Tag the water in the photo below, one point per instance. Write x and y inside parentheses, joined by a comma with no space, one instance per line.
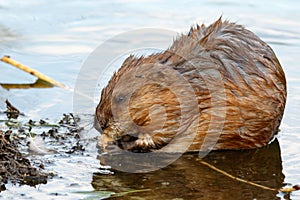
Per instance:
(55,37)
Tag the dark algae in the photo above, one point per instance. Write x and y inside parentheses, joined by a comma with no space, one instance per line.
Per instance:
(16,167)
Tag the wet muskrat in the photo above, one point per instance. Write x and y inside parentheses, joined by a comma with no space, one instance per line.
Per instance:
(218,87)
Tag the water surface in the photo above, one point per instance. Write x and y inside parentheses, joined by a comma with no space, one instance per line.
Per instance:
(55,37)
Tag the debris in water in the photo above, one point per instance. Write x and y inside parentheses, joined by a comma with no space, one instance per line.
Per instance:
(11,112)
(19,139)
(14,166)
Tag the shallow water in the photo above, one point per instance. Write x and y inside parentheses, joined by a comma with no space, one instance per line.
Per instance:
(56,37)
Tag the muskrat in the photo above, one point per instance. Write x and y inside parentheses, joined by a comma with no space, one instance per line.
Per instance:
(218,87)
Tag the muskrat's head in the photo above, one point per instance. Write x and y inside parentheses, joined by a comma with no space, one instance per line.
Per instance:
(138,110)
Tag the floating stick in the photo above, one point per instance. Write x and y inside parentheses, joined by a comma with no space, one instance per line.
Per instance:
(33,72)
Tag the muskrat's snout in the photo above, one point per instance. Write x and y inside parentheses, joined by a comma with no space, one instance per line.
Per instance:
(105,143)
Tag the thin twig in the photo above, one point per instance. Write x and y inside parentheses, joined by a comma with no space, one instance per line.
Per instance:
(120,194)
(236,178)
(284,189)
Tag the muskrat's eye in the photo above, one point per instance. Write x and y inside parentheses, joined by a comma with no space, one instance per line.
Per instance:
(120,98)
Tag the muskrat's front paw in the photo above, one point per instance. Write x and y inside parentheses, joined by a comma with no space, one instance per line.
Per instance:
(108,147)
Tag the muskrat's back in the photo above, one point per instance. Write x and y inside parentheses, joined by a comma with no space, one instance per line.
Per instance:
(220,84)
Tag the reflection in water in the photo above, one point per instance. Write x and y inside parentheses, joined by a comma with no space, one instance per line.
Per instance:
(187,178)
(37,84)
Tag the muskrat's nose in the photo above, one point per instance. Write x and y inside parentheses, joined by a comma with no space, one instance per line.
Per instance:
(97,125)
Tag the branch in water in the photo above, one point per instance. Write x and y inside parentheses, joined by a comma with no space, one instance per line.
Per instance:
(284,189)
(33,72)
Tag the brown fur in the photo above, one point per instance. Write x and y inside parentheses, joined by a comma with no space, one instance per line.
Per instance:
(253,82)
